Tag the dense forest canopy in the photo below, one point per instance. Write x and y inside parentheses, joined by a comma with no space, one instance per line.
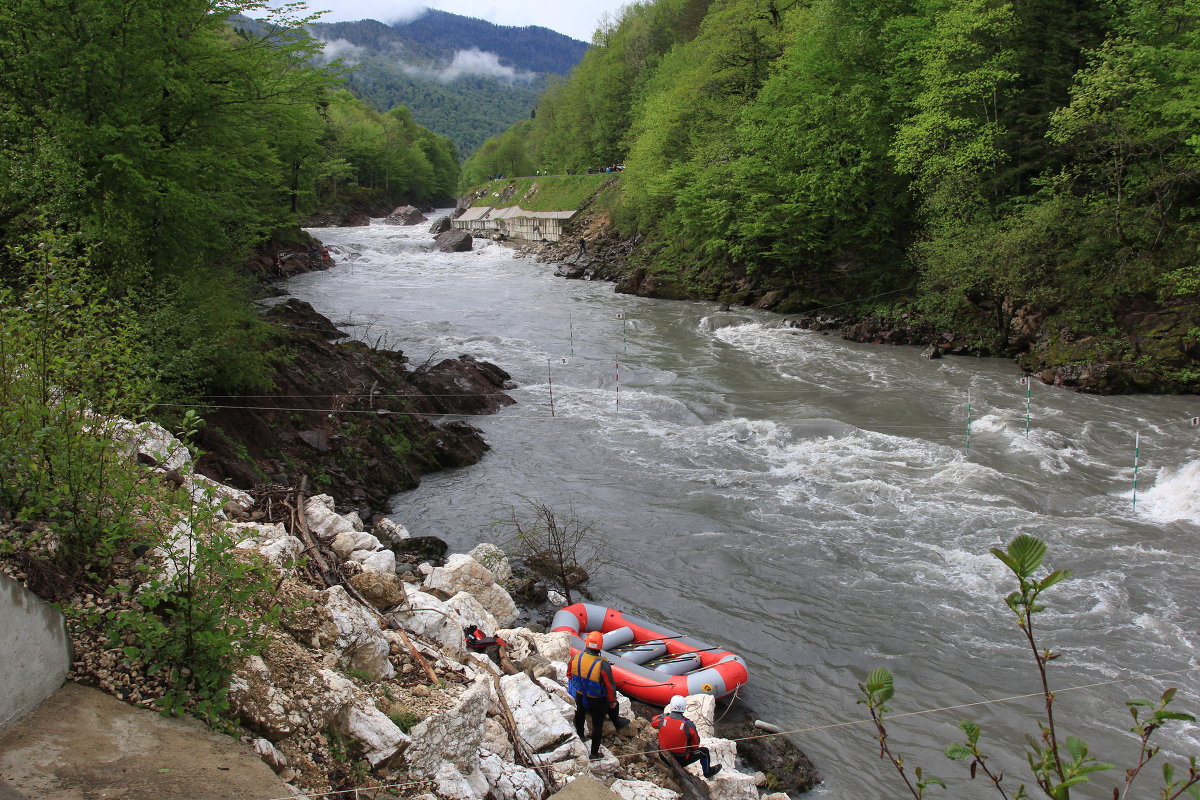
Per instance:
(156,146)
(1011,169)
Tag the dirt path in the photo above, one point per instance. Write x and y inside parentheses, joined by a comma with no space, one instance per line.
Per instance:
(82,744)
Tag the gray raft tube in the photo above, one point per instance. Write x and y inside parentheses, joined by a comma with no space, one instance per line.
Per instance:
(644,660)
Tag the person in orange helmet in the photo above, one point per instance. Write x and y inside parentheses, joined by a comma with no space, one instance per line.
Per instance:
(590,682)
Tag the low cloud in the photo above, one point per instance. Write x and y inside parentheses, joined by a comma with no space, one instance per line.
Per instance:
(472,62)
(348,52)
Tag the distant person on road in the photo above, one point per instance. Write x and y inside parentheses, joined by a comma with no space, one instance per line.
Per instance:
(678,736)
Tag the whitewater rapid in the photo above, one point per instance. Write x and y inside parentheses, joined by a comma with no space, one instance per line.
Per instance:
(813,503)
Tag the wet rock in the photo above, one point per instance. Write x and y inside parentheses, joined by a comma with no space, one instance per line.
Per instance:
(297,315)
(405,215)
(456,241)
(440,225)
(465,385)
(421,548)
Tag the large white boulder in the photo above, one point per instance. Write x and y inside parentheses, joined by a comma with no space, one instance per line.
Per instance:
(347,542)
(509,781)
(451,736)
(492,557)
(272,542)
(729,784)
(702,709)
(323,521)
(153,440)
(289,693)
(353,634)
(452,784)
(560,698)
(389,532)
(522,642)
(539,718)
(379,561)
(642,790)
(470,612)
(206,492)
(464,574)
(427,616)
(379,736)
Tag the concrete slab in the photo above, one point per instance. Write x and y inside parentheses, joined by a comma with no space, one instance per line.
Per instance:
(82,744)
(585,787)
(36,653)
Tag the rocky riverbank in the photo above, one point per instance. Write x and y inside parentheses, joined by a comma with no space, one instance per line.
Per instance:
(366,680)
(1152,347)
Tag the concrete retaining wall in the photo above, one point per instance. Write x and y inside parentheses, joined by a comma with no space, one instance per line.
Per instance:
(35,653)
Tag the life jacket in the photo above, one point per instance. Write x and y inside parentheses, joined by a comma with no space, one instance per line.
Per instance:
(677,735)
(587,676)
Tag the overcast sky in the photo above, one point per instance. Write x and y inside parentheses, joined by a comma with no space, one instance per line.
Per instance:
(575,18)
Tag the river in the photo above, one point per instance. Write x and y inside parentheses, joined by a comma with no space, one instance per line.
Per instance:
(812,503)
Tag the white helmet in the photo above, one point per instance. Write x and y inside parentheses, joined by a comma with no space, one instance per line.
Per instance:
(677,705)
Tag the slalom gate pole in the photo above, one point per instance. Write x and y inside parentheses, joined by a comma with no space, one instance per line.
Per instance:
(968,419)
(550,383)
(617,366)
(571,322)
(1137,441)
(1028,379)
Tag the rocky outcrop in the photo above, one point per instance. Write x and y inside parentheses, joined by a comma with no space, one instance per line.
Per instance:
(405,215)
(440,225)
(454,242)
(388,441)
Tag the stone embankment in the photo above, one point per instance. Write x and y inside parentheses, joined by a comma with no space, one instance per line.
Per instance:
(367,680)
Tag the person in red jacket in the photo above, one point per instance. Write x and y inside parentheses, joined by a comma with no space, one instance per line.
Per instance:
(590,682)
(678,736)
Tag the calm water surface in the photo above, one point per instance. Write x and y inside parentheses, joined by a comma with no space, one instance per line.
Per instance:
(812,503)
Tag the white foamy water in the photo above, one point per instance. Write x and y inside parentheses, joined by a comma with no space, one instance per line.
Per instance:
(812,503)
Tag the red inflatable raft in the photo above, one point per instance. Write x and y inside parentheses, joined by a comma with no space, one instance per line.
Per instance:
(650,662)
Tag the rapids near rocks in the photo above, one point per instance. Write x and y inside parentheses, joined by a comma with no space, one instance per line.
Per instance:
(812,503)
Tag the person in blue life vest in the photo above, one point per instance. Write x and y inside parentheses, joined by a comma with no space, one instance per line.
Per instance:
(678,736)
(590,682)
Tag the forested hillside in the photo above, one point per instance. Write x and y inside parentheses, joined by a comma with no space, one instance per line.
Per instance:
(1023,174)
(139,176)
(465,78)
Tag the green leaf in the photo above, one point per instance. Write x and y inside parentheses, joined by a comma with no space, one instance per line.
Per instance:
(957,752)
(1168,772)
(1053,578)
(1179,715)
(971,729)
(1027,553)
(879,684)
(1077,748)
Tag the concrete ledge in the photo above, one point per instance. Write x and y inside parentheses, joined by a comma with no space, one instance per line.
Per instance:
(36,654)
